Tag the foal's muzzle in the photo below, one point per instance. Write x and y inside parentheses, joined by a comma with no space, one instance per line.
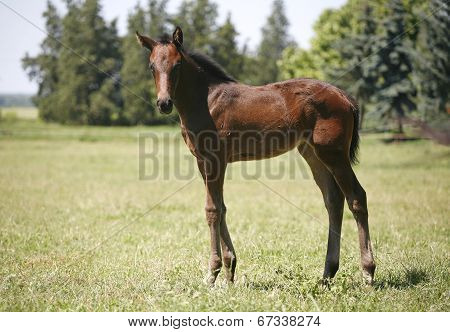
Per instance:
(165,105)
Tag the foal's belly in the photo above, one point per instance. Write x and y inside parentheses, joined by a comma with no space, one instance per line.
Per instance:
(244,156)
(257,145)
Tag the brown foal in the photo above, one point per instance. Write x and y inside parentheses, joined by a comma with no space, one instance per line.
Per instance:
(223,121)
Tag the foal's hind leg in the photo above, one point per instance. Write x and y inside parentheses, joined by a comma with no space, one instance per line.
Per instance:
(339,165)
(334,202)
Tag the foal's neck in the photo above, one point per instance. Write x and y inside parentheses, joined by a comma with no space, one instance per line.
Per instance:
(191,97)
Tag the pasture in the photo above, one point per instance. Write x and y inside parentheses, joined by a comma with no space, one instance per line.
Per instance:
(79,230)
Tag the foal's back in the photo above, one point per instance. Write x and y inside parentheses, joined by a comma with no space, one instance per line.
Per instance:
(298,104)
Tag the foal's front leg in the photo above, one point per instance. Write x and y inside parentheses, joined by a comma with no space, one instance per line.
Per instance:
(228,253)
(214,202)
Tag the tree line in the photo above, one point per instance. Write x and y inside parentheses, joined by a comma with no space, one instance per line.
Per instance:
(88,74)
(392,55)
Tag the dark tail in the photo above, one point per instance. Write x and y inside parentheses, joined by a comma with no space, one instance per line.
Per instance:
(354,145)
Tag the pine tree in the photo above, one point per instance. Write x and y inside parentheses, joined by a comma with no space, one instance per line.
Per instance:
(197,18)
(105,107)
(225,49)
(393,63)
(274,41)
(183,19)
(204,16)
(135,76)
(72,97)
(109,95)
(44,67)
(250,67)
(157,12)
(433,60)
(357,74)
(103,44)
(91,58)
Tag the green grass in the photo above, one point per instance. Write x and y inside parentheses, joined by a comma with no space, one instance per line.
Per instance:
(67,192)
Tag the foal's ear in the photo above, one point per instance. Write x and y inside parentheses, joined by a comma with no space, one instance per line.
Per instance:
(145,41)
(177,37)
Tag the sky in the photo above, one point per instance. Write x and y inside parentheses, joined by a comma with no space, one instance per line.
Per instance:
(18,35)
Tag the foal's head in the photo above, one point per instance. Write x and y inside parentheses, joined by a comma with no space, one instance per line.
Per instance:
(165,62)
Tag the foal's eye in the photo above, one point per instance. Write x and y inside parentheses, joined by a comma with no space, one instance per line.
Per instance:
(151,66)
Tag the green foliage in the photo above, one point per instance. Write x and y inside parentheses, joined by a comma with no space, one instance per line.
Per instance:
(331,27)
(274,40)
(225,50)
(157,18)
(357,74)
(44,67)
(104,109)
(432,60)
(393,63)
(297,62)
(198,20)
(90,58)
(137,92)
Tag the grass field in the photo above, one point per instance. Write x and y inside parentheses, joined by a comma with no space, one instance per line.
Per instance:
(14,113)
(80,231)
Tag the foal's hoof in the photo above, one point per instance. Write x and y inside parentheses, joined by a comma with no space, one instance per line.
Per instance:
(229,276)
(211,278)
(368,278)
(325,282)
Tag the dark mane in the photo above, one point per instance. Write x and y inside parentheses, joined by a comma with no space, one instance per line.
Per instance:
(207,64)
(165,39)
(211,67)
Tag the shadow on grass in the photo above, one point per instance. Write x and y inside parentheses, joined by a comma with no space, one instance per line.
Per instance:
(403,279)
(260,286)
(407,279)
(282,278)
(295,286)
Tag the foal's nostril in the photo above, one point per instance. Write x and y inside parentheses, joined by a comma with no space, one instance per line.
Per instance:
(165,106)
